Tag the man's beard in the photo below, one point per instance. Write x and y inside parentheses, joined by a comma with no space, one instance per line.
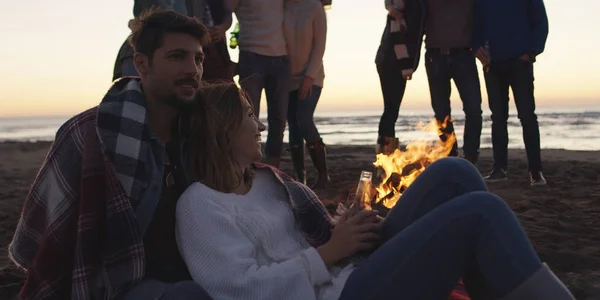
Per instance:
(179,104)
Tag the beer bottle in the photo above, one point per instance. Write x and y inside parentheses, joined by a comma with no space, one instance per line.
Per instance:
(233,41)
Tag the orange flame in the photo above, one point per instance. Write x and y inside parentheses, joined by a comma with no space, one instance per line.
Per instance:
(401,168)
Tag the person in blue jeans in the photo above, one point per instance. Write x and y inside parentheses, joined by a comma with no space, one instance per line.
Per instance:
(305,27)
(449,31)
(509,50)
(263,64)
(247,231)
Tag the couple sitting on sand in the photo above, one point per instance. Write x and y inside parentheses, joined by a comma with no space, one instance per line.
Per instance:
(157,193)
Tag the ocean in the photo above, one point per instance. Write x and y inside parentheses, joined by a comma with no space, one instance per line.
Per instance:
(560,128)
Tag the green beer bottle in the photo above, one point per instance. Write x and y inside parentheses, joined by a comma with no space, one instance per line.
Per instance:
(233,41)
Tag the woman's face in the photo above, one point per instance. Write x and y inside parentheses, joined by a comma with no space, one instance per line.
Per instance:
(247,148)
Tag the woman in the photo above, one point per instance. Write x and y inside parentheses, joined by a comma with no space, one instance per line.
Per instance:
(305,29)
(397,59)
(246,231)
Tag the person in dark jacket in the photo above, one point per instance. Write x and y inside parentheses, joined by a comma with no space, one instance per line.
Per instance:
(510,35)
(397,59)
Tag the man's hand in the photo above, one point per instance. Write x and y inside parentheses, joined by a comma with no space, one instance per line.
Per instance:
(305,88)
(351,235)
(394,12)
(483,55)
(217,34)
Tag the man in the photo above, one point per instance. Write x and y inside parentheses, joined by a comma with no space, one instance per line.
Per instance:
(263,64)
(99,220)
(509,50)
(397,59)
(217,17)
(449,31)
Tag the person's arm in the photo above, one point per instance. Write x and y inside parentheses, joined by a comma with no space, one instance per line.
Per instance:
(539,27)
(49,201)
(477,40)
(319,41)
(223,261)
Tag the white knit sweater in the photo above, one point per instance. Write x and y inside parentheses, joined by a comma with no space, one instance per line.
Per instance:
(249,247)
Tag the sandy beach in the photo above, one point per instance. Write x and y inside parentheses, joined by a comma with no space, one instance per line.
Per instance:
(562,218)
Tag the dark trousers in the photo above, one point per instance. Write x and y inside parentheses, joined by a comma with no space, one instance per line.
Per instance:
(518,75)
(271,73)
(459,66)
(300,118)
(445,227)
(393,86)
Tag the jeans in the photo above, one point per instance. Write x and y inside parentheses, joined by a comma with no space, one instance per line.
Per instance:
(300,118)
(393,85)
(273,74)
(154,289)
(460,66)
(446,226)
(518,75)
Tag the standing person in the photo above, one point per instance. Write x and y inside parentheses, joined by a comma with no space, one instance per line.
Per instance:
(99,221)
(263,64)
(397,59)
(509,51)
(305,27)
(449,28)
(217,17)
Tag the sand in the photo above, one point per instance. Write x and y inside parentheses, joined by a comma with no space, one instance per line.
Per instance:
(562,218)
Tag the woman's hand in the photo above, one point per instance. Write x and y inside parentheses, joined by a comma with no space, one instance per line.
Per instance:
(305,88)
(351,235)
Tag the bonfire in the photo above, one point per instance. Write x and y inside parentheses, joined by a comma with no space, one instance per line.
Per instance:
(398,170)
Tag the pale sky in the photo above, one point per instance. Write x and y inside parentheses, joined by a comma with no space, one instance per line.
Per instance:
(58,57)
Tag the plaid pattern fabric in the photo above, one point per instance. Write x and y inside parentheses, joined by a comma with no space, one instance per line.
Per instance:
(78,237)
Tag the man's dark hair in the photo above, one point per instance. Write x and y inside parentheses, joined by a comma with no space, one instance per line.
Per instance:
(149,28)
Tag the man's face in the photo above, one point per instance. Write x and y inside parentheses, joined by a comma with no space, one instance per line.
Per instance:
(173,75)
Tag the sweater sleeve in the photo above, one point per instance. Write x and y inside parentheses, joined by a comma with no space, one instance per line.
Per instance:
(319,41)
(222,260)
(539,26)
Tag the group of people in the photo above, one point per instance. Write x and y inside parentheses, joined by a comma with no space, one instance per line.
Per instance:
(157,193)
(506,36)
(281,52)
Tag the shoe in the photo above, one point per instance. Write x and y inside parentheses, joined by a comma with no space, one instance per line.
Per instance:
(537,178)
(496,175)
(318,154)
(542,285)
(386,145)
(472,159)
(297,155)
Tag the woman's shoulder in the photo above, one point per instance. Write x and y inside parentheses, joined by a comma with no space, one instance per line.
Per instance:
(197,194)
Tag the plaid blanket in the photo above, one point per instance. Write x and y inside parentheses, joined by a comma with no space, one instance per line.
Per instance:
(78,237)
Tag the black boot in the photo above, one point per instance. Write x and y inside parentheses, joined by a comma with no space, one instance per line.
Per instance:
(297,154)
(318,154)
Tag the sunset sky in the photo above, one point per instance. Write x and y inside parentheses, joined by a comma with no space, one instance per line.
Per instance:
(58,57)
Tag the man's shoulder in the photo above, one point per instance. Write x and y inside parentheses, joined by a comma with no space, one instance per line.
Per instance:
(79,123)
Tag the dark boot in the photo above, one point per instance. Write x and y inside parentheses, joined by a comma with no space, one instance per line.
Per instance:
(386,145)
(297,154)
(318,154)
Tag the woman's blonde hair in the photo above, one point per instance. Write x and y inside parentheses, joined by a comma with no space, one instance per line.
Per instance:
(213,125)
